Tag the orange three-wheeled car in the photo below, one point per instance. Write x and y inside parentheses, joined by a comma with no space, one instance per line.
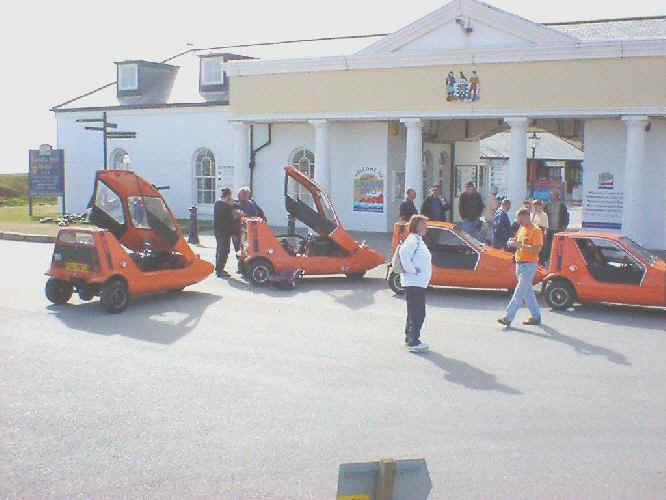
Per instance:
(331,251)
(603,267)
(137,248)
(460,260)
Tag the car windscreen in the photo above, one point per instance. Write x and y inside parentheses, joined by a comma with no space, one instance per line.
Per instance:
(150,212)
(301,203)
(638,250)
(109,202)
(458,230)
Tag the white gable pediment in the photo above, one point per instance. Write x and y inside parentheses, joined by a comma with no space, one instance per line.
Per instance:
(466,24)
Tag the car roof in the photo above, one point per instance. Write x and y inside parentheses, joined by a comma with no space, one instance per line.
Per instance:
(593,234)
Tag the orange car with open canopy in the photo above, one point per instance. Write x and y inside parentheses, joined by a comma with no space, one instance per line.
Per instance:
(329,250)
(137,248)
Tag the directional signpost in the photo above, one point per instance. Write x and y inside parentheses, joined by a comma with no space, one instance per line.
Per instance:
(106,134)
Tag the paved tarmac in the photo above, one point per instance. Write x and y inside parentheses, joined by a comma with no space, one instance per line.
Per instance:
(227,391)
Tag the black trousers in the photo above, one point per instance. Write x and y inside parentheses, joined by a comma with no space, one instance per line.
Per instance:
(222,252)
(416,313)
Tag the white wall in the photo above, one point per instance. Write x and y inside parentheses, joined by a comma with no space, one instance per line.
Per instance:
(605,149)
(351,145)
(162,152)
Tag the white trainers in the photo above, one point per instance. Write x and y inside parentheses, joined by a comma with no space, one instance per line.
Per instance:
(420,347)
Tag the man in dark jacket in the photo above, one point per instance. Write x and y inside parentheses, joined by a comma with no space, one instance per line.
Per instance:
(434,207)
(471,207)
(407,207)
(247,207)
(224,226)
(502,225)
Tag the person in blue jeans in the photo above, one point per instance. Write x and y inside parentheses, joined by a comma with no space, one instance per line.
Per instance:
(528,243)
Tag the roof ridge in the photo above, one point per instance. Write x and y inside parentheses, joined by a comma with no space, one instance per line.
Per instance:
(607,20)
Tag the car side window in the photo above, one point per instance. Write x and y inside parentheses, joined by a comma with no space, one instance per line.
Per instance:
(109,202)
(449,250)
(609,263)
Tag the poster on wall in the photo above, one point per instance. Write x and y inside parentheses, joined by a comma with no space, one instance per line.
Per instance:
(602,205)
(368,190)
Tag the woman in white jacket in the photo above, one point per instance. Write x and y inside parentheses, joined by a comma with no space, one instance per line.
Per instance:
(416,261)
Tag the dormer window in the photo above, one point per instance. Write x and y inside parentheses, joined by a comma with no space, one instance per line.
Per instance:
(211,71)
(128,77)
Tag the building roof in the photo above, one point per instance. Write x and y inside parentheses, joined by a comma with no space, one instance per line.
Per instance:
(635,28)
(548,147)
(185,91)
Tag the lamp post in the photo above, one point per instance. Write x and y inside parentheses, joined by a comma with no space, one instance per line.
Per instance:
(534,139)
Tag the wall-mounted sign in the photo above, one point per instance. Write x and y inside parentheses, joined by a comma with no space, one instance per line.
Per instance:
(602,209)
(368,190)
(605,180)
(46,172)
(462,87)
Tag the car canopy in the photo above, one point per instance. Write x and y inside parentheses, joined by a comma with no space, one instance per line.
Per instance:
(134,211)
(309,203)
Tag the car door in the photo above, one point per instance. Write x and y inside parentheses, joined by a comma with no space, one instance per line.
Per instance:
(613,274)
(454,261)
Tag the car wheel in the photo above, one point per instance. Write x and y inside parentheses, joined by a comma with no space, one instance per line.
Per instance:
(259,272)
(560,294)
(86,294)
(355,276)
(115,296)
(58,291)
(394,283)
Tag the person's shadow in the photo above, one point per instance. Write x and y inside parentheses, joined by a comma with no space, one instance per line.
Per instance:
(580,346)
(462,373)
(160,318)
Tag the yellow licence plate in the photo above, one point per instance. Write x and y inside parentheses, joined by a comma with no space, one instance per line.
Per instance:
(76,266)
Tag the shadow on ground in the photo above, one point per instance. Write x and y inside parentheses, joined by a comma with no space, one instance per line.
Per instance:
(650,318)
(161,318)
(462,373)
(580,346)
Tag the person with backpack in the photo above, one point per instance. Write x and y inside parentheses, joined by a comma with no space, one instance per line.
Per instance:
(415,273)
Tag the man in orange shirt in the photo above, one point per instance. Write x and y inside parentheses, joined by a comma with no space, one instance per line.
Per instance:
(528,243)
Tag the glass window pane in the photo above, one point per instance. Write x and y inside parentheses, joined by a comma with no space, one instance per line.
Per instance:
(109,202)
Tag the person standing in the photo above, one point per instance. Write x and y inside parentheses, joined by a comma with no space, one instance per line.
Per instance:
(416,262)
(540,220)
(434,207)
(223,226)
(502,225)
(528,243)
(246,207)
(492,203)
(407,207)
(470,207)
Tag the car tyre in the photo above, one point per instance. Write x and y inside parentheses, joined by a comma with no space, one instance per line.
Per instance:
(355,276)
(560,295)
(58,291)
(115,296)
(394,283)
(259,272)
(86,294)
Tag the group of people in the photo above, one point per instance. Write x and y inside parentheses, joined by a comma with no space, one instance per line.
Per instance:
(227,215)
(528,237)
(435,207)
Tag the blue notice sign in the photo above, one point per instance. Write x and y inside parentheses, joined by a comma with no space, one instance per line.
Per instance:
(46,172)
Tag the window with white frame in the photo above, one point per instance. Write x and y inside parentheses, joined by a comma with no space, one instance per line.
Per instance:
(128,77)
(303,159)
(120,160)
(204,173)
(211,71)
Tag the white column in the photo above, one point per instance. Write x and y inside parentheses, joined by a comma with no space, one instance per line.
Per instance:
(414,157)
(241,156)
(634,160)
(322,169)
(516,176)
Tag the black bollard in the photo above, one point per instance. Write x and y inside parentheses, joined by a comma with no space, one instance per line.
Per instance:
(194,230)
(291,225)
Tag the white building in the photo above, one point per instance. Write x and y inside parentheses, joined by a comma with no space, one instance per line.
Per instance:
(362,122)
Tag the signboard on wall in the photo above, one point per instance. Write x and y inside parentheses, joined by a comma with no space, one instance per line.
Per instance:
(368,190)
(602,205)
(46,172)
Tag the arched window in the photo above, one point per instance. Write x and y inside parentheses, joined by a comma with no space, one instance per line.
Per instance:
(304,160)
(204,173)
(120,160)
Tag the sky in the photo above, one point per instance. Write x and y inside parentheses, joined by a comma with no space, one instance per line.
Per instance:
(54,51)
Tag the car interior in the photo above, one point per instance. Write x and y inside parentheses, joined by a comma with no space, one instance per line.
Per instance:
(610,263)
(449,250)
